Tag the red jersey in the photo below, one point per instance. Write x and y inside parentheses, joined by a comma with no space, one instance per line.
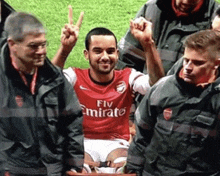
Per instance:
(105,108)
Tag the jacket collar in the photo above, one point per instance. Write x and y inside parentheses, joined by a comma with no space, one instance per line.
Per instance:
(197,90)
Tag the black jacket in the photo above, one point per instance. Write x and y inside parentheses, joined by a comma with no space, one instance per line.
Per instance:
(178,130)
(169,33)
(41,131)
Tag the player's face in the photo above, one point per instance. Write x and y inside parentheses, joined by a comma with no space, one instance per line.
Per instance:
(198,67)
(31,52)
(186,6)
(102,54)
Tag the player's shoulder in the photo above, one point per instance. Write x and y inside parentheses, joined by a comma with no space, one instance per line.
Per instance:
(151,2)
(80,70)
(124,71)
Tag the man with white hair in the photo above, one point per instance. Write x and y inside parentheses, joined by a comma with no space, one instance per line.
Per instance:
(40,116)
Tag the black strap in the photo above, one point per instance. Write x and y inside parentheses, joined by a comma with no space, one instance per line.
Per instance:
(105,164)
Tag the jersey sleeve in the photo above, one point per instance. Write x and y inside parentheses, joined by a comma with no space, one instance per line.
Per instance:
(139,82)
(70,75)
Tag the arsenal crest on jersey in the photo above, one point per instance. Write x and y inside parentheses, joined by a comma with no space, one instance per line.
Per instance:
(19,100)
(167,113)
(121,87)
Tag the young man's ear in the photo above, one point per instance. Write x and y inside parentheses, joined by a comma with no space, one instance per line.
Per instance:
(86,54)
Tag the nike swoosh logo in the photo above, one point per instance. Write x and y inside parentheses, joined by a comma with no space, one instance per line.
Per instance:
(82,88)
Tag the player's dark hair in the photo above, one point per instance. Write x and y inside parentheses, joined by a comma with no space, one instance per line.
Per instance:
(98,31)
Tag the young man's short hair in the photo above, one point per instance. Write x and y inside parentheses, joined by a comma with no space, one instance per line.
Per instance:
(205,40)
(98,31)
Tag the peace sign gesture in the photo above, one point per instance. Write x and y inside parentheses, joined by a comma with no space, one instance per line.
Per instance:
(70,32)
(70,17)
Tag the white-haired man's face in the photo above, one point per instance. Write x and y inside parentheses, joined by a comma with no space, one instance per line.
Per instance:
(29,53)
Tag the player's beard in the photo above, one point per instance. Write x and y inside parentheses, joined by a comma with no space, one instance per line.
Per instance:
(101,68)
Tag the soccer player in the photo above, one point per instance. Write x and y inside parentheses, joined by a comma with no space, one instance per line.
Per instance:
(106,94)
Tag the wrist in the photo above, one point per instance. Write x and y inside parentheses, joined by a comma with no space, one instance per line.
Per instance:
(65,51)
(148,44)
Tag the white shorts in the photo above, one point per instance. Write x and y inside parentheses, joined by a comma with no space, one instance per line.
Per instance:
(99,149)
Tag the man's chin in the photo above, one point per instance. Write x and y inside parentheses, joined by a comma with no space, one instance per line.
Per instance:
(39,64)
(104,72)
(189,81)
(184,10)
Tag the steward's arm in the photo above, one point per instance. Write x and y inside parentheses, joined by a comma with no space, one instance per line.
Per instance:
(72,125)
(145,122)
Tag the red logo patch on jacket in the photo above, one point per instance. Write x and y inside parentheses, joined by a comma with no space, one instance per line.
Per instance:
(167,113)
(7,174)
(19,100)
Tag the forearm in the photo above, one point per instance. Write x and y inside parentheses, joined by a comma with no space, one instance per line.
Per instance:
(71,124)
(60,58)
(153,63)
(136,159)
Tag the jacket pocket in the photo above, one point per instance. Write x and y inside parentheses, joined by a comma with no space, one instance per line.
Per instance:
(202,128)
(52,109)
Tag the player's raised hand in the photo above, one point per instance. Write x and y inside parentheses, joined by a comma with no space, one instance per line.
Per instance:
(141,29)
(70,32)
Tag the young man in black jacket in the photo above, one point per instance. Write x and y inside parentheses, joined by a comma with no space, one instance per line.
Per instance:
(178,126)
